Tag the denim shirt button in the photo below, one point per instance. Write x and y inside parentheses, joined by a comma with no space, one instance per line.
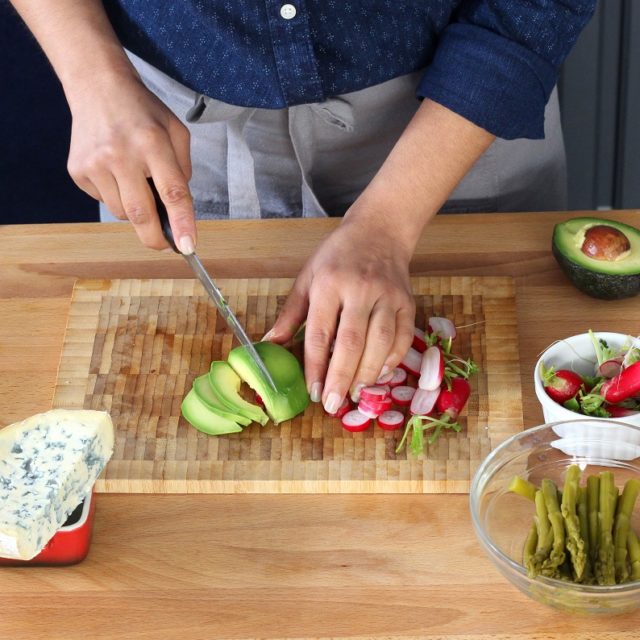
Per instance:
(288,11)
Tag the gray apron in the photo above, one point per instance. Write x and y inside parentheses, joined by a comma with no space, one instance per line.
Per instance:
(314,160)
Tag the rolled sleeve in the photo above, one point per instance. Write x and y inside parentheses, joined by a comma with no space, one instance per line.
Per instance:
(498,63)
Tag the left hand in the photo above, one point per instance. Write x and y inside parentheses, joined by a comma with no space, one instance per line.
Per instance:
(355,289)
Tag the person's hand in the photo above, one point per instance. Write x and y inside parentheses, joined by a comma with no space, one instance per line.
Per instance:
(121,135)
(355,290)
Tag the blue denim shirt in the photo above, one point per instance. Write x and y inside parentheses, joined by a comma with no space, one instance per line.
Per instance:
(494,62)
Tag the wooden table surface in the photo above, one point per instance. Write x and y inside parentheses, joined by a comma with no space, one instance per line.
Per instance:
(243,566)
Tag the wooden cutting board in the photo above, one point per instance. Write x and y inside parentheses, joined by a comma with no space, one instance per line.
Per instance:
(133,348)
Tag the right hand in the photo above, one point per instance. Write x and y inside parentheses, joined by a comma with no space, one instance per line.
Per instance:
(121,135)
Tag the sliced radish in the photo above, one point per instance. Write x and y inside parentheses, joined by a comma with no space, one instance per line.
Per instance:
(402,395)
(386,378)
(442,327)
(376,408)
(419,343)
(610,368)
(391,420)
(355,421)
(432,369)
(412,361)
(344,407)
(423,401)
(375,393)
(399,377)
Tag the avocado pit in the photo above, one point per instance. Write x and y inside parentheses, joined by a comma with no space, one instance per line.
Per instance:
(603,242)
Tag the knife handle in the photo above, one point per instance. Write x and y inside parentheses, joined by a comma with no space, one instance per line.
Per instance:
(163,216)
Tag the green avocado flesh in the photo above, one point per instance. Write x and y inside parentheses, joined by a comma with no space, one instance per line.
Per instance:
(226,386)
(291,397)
(202,418)
(608,279)
(207,395)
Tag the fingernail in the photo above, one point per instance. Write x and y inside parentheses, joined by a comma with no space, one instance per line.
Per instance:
(332,403)
(316,392)
(186,245)
(267,336)
(355,394)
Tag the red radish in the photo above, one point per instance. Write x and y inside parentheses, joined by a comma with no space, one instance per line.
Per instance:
(355,421)
(391,420)
(374,409)
(623,386)
(423,401)
(561,385)
(386,378)
(619,412)
(402,395)
(375,393)
(450,402)
(442,327)
(432,369)
(259,400)
(342,409)
(412,361)
(419,343)
(610,368)
(399,377)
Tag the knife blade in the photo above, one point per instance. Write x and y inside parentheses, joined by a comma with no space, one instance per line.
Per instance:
(211,288)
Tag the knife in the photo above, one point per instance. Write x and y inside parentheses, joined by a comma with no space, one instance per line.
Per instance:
(211,288)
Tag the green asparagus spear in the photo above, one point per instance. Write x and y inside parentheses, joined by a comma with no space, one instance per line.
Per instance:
(550,492)
(530,545)
(545,537)
(568,508)
(583,518)
(605,569)
(593,507)
(622,526)
(633,545)
(523,488)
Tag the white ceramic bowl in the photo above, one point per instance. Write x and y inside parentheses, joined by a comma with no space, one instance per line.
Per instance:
(576,353)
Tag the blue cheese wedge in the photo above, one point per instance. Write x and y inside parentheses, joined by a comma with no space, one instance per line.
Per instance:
(48,465)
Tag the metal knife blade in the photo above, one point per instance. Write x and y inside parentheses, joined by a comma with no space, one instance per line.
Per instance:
(212,289)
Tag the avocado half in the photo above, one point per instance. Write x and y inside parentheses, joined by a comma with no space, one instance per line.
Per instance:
(601,257)
(291,396)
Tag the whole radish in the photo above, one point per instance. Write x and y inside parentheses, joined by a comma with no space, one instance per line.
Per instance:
(561,385)
(624,386)
(451,401)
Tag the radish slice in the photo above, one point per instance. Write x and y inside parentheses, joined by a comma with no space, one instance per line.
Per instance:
(391,420)
(442,327)
(387,377)
(402,395)
(419,343)
(375,393)
(355,421)
(412,361)
(399,377)
(432,369)
(344,407)
(376,408)
(610,368)
(423,401)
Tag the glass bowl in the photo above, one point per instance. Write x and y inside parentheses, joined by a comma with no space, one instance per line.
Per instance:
(502,519)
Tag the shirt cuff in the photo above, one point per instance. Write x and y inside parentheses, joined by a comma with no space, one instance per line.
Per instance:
(490,80)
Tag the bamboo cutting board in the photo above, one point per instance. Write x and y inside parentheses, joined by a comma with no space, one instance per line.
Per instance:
(133,348)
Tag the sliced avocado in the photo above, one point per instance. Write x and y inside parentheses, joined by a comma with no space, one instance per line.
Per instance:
(226,385)
(202,418)
(291,397)
(206,394)
(601,257)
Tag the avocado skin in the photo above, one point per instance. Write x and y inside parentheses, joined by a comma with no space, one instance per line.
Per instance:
(604,286)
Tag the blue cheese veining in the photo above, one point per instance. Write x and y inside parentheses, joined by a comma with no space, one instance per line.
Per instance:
(48,464)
